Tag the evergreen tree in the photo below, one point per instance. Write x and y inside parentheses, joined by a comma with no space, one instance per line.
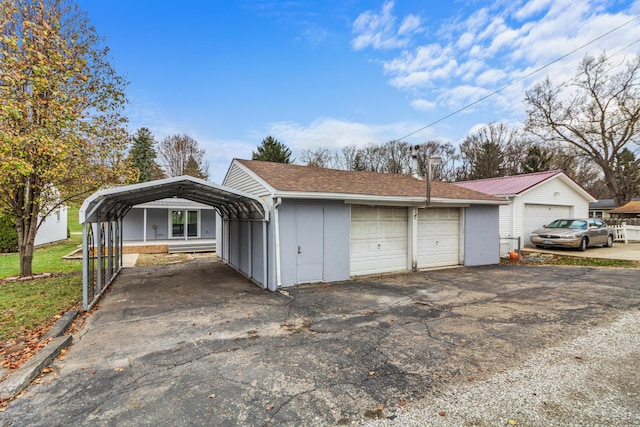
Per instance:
(143,156)
(537,160)
(272,150)
(194,169)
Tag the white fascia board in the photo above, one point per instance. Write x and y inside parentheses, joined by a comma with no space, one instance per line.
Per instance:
(384,200)
(571,183)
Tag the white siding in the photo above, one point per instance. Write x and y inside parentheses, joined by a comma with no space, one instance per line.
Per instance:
(553,192)
(54,228)
(239,179)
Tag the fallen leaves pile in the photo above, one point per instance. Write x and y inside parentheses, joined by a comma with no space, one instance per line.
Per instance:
(16,352)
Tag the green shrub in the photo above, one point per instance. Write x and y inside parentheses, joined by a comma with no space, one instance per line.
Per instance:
(8,234)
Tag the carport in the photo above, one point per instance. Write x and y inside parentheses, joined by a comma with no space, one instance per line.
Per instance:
(101,217)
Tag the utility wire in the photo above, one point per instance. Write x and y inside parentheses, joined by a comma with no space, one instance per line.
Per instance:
(537,70)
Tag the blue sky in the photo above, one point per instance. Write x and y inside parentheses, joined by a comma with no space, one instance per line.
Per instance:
(325,74)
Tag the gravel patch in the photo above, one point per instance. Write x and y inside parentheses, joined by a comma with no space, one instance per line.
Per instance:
(592,380)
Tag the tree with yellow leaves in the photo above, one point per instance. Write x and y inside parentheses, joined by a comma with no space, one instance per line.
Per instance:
(62,125)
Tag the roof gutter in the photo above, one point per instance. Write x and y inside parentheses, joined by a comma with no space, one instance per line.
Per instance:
(376,199)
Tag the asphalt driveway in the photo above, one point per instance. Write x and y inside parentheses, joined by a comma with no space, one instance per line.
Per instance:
(196,344)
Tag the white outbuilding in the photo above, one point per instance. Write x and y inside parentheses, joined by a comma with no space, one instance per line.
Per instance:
(535,199)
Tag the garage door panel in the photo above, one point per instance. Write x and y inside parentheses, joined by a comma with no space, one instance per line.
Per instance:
(378,239)
(535,216)
(438,237)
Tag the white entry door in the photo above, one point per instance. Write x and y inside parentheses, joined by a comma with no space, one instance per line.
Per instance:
(378,239)
(438,237)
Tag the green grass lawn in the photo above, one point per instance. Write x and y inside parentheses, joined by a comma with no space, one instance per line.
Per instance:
(47,259)
(72,219)
(27,304)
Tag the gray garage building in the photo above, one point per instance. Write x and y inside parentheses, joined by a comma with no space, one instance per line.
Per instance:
(282,225)
(327,225)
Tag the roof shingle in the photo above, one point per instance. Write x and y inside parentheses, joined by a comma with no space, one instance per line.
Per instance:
(631,207)
(286,177)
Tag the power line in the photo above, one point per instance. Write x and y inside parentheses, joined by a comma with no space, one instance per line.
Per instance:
(537,70)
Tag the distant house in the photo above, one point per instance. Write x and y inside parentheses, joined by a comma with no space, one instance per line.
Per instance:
(53,228)
(535,199)
(630,210)
(601,208)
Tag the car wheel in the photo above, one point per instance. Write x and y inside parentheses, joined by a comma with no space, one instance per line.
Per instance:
(609,241)
(583,244)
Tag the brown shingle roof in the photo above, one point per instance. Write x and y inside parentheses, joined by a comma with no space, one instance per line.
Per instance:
(312,179)
(631,207)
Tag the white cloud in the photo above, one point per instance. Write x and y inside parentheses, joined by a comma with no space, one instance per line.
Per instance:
(409,25)
(378,29)
(531,8)
(423,105)
(333,134)
(492,78)
(497,45)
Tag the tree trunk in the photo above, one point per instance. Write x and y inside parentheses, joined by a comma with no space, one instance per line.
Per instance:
(27,211)
(26,260)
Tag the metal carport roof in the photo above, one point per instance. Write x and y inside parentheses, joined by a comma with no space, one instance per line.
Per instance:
(102,213)
(113,203)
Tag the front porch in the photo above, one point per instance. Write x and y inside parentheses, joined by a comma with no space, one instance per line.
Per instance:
(168,246)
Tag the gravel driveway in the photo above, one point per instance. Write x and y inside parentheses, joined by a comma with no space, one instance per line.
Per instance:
(196,344)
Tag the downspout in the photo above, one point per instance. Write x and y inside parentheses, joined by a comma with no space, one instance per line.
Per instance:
(276,219)
(265,258)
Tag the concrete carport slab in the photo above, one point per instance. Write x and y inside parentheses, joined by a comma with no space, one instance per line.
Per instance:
(197,344)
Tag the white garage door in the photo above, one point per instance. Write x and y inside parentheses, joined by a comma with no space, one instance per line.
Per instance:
(378,239)
(535,216)
(438,237)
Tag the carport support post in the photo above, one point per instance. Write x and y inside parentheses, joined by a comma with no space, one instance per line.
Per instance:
(85,267)
(99,258)
(109,250)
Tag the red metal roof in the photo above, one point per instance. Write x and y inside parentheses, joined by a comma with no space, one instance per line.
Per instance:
(508,185)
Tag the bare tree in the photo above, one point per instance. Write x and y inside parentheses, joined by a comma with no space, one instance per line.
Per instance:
(598,114)
(322,158)
(445,171)
(180,155)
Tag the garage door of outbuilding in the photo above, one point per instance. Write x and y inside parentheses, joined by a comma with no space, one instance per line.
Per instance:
(438,237)
(535,216)
(378,239)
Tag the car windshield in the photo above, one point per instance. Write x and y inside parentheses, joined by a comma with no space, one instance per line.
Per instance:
(568,223)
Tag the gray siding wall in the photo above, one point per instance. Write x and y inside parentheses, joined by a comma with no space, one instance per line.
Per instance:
(208,224)
(481,235)
(132,225)
(335,240)
(240,244)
